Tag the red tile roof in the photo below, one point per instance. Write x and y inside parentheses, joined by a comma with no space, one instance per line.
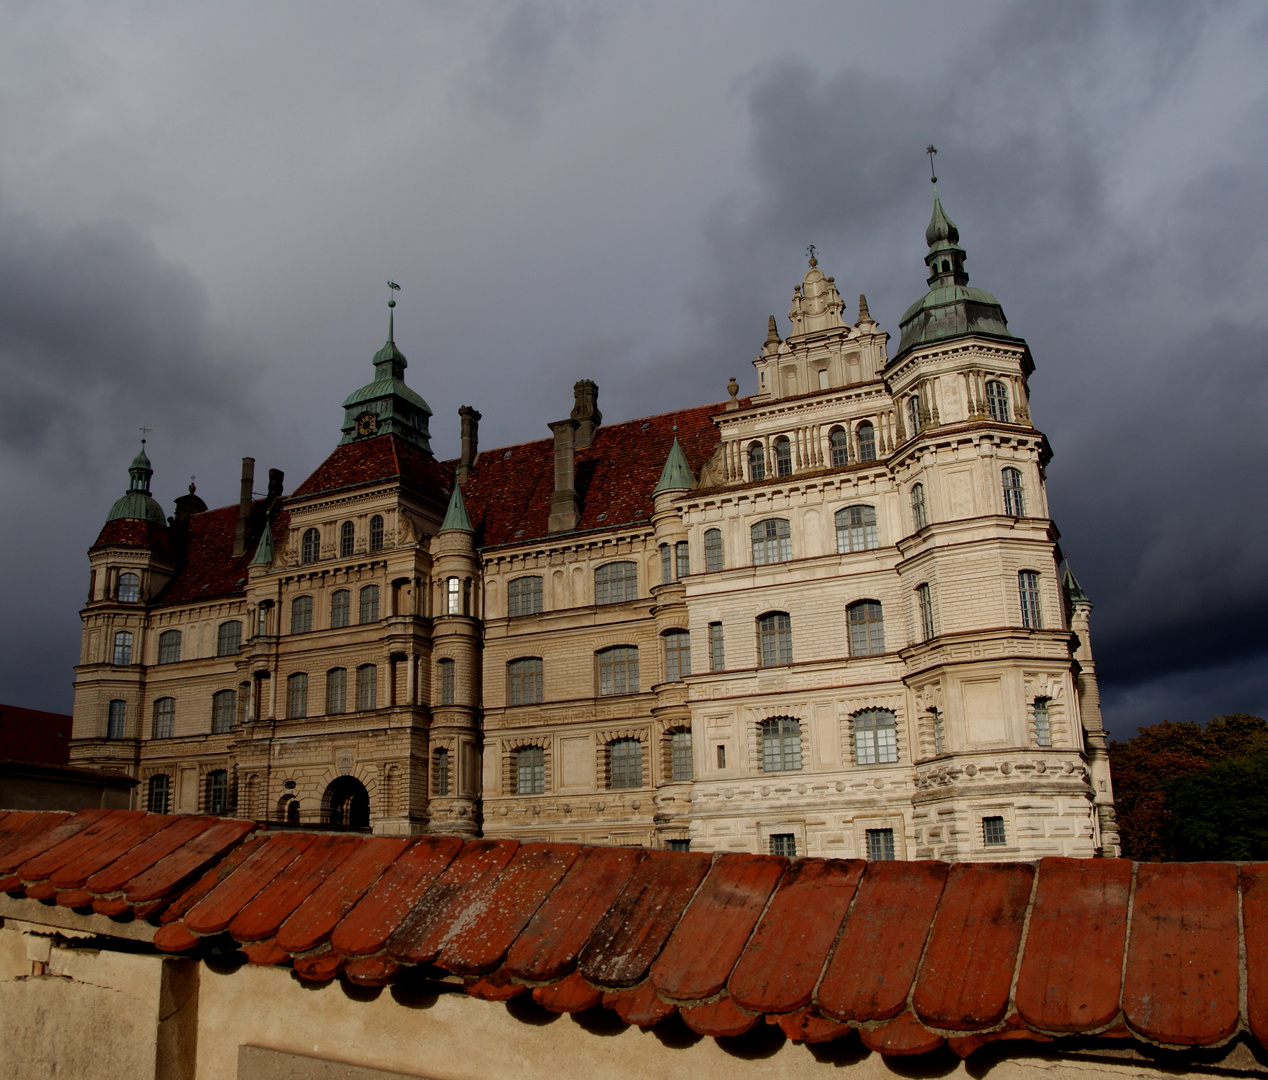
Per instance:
(29,735)
(131,532)
(210,570)
(377,461)
(912,956)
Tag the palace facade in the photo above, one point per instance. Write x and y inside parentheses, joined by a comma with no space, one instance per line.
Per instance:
(827,618)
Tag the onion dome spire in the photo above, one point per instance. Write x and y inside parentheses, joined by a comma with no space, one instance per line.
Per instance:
(137,504)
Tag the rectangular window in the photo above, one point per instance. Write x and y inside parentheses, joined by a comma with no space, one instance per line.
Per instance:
(939,731)
(453,597)
(783,843)
(370,604)
(678,845)
(680,756)
(123,648)
(616,583)
(713,550)
(880,845)
(772,542)
(721,757)
(164,718)
(340,608)
(625,763)
(1028,587)
(301,615)
(169,647)
(682,557)
(993,833)
(1043,725)
(297,695)
(524,681)
(717,653)
(224,707)
(677,655)
(524,597)
(444,677)
(856,529)
(774,633)
(228,638)
(618,671)
(866,621)
(919,511)
(666,565)
(336,690)
(530,771)
(924,599)
(442,772)
(217,792)
(367,687)
(117,719)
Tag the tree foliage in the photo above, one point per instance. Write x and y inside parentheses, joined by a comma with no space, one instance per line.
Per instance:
(1188,791)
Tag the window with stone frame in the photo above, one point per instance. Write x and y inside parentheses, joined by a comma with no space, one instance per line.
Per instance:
(336,691)
(1014,498)
(1043,722)
(875,737)
(524,681)
(1028,591)
(866,623)
(297,695)
(169,647)
(369,605)
(938,725)
(376,533)
(340,608)
(997,401)
(347,539)
(216,792)
(228,638)
(310,546)
(625,764)
(924,604)
(122,648)
(524,596)
(680,763)
(839,445)
(301,615)
(756,462)
(913,415)
(919,510)
(164,726)
(783,457)
(158,794)
(677,655)
(530,770)
(666,564)
(856,529)
(994,834)
(453,596)
(116,719)
(367,687)
(682,559)
(717,648)
(618,670)
(616,583)
(713,560)
(128,590)
(865,435)
(440,773)
(880,845)
(224,710)
(781,744)
(772,542)
(678,845)
(444,681)
(774,639)
(784,844)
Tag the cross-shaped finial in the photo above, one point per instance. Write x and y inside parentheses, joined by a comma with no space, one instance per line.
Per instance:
(811,252)
(144,432)
(931,150)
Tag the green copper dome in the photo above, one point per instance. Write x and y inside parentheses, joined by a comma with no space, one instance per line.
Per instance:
(950,308)
(676,475)
(386,405)
(137,504)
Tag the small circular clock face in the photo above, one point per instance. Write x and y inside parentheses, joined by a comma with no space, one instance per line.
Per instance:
(366,424)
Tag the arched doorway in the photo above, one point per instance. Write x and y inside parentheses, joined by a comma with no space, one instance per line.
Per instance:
(346,803)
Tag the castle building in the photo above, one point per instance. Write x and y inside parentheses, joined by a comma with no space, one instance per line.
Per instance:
(827,618)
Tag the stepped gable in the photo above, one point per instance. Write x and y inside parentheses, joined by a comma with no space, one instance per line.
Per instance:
(508,492)
(210,569)
(909,957)
(378,461)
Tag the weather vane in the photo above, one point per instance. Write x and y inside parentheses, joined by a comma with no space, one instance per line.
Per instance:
(144,432)
(811,252)
(391,300)
(931,150)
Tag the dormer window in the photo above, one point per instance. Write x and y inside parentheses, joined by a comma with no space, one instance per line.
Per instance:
(129,589)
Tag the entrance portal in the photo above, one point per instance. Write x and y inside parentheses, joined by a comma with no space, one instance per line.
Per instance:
(346,803)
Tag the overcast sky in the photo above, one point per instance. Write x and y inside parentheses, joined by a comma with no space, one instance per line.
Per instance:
(200,204)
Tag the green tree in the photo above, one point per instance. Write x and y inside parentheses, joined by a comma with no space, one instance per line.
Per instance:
(1222,812)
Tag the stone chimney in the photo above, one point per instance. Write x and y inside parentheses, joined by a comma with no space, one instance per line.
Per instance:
(244,507)
(565,507)
(585,412)
(470,436)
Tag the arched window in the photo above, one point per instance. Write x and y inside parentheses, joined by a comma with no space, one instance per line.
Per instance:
(856,529)
(524,681)
(376,533)
(216,799)
(677,655)
(618,670)
(774,639)
(530,770)
(224,707)
(123,648)
(680,767)
(369,604)
(453,596)
(340,608)
(781,744)
(158,794)
(913,415)
(1028,588)
(336,691)
(713,550)
(310,547)
(783,457)
(866,435)
(616,583)
(756,462)
(169,647)
(1014,502)
(997,400)
(116,719)
(867,628)
(164,726)
(625,763)
(301,614)
(524,596)
(367,687)
(297,695)
(440,773)
(347,538)
(444,682)
(875,737)
(129,590)
(919,511)
(228,638)
(1043,723)
(292,812)
(839,443)
(924,602)
(772,542)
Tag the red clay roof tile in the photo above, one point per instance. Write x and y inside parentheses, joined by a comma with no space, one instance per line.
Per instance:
(967,970)
(45,834)
(548,947)
(24,827)
(569,995)
(274,856)
(901,1037)
(719,1018)
(1071,969)
(74,898)
(640,1005)
(496,986)
(263,915)
(172,871)
(319,967)
(707,942)
(377,461)
(179,832)
(1254,884)
(634,930)
(265,953)
(175,937)
(98,833)
(1180,985)
(804,1026)
(202,888)
(75,873)
(371,970)
(875,961)
(782,963)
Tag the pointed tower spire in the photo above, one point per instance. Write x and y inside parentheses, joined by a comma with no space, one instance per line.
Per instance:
(137,504)
(456,519)
(1073,590)
(677,474)
(266,548)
